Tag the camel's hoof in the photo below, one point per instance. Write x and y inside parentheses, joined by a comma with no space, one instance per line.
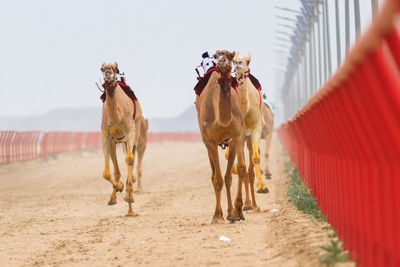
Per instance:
(217,221)
(232,219)
(242,218)
(110,203)
(119,187)
(127,200)
(247,207)
(263,190)
(131,214)
(268,176)
(255,209)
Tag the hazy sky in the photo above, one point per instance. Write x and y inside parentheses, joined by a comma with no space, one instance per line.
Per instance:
(51,51)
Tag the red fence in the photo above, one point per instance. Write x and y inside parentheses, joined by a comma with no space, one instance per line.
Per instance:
(20,146)
(346,144)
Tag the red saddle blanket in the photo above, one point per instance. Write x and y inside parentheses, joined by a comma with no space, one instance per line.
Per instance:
(128,91)
(126,88)
(255,82)
(203,81)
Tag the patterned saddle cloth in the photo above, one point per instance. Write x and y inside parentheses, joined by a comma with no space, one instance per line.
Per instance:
(203,81)
(126,88)
(128,91)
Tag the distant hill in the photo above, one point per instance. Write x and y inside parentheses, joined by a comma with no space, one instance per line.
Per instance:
(63,119)
(89,119)
(186,122)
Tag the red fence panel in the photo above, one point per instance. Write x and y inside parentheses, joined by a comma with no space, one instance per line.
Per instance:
(93,140)
(19,146)
(346,144)
(2,147)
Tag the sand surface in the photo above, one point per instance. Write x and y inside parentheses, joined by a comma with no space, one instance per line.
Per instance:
(54,212)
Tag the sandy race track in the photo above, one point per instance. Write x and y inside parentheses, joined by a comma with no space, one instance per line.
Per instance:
(54,212)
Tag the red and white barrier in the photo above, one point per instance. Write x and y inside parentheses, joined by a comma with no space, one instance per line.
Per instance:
(346,144)
(21,146)
(18,146)
(59,142)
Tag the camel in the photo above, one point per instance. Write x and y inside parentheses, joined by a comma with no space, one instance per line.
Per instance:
(220,121)
(251,111)
(267,120)
(120,124)
(144,126)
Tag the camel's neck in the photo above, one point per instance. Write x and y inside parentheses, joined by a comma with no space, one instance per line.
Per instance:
(112,105)
(225,100)
(243,94)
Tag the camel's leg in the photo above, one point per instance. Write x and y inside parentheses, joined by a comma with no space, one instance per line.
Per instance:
(247,202)
(117,186)
(242,176)
(234,167)
(217,181)
(228,183)
(268,139)
(130,160)
(255,158)
(212,168)
(213,173)
(250,205)
(136,140)
(140,152)
(117,175)
(261,187)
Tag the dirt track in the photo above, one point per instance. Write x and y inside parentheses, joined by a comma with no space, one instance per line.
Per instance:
(54,212)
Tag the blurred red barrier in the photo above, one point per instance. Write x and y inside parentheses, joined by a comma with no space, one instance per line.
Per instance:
(20,146)
(346,144)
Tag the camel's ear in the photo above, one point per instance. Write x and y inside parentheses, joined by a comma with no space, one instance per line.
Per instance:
(232,55)
(215,55)
(116,65)
(247,59)
(102,67)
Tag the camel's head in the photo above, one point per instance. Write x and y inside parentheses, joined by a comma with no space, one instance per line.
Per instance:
(241,64)
(223,60)
(109,72)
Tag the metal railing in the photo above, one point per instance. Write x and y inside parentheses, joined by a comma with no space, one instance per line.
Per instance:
(304,52)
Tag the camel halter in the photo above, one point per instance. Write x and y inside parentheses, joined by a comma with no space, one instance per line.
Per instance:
(241,79)
(224,79)
(109,85)
(106,86)
(227,78)
(98,87)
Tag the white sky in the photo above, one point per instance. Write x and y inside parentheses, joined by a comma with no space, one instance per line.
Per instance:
(51,51)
